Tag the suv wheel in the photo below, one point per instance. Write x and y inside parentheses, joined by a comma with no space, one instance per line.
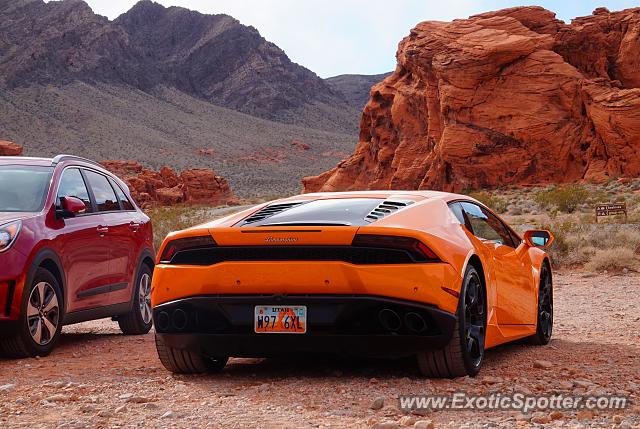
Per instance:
(40,319)
(139,320)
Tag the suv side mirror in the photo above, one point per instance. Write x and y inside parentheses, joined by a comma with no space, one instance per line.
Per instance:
(70,207)
(538,238)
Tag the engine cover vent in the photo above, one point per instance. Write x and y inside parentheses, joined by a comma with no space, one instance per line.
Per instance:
(386,208)
(271,210)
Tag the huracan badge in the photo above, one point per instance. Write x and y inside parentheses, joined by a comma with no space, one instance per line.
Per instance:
(281,239)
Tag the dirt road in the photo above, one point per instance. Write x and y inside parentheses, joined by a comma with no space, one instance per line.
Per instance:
(98,378)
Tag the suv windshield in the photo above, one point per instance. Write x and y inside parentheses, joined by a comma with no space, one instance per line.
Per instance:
(23,188)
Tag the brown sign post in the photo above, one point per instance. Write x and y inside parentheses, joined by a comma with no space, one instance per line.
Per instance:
(611,209)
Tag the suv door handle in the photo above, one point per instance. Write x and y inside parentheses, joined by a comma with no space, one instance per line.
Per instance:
(102,230)
(134,226)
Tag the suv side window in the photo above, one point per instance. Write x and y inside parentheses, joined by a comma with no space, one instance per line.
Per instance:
(72,185)
(106,200)
(486,226)
(124,201)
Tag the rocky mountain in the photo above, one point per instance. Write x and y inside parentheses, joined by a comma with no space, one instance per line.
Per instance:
(508,97)
(211,57)
(167,86)
(355,87)
(168,128)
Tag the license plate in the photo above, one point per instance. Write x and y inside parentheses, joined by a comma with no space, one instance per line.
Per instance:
(280,319)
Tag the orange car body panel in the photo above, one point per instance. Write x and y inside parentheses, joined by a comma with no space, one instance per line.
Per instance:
(511,275)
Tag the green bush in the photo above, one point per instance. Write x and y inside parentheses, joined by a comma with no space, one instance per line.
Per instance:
(563,198)
(495,203)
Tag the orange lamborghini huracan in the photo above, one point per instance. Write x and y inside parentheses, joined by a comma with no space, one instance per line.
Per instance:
(381,274)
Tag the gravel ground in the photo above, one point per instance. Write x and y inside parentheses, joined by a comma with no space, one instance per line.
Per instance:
(98,378)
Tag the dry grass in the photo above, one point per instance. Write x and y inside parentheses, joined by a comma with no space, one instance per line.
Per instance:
(611,259)
(568,212)
(169,219)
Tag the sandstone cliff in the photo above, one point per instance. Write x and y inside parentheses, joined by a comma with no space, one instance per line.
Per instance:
(507,97)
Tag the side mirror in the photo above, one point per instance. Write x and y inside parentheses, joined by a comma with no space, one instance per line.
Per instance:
(538,238)
(70,207)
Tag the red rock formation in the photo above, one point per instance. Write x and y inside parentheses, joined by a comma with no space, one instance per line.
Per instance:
(166,188)
(207,152)
(507,97)
(302,146)
(10,149)
(203,186)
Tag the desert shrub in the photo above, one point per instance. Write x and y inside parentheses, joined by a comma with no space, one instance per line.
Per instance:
(629,238)
(579,255)
(515,211)
(168,219)
(611,259)
(563,198)
(497,204)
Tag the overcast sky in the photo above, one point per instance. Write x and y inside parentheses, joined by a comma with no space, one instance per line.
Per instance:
(333,37)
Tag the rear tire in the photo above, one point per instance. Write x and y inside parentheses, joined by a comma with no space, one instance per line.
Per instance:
(139,320)
(40,320)
(544,318)
(464,353)
(181,361)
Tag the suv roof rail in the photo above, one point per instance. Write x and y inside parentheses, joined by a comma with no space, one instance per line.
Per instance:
(59,158)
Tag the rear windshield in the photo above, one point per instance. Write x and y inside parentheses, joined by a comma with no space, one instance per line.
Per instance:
(23,188)
(349,211)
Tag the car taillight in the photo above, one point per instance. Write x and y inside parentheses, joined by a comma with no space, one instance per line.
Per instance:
(182,244)
(419,251)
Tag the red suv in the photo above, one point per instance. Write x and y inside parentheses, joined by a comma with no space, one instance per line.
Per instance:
(73,247)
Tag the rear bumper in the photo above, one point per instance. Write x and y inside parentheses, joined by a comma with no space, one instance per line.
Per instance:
(419,282)
(341,325)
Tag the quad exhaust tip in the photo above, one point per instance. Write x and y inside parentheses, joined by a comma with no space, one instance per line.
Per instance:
(415,323)
(179,319)
(393,322)
(390,320)
(162,321)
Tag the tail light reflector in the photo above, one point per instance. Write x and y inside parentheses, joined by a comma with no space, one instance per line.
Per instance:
(419,251)
(182,244)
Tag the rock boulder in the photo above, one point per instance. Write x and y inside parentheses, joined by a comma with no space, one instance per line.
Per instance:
(508,97)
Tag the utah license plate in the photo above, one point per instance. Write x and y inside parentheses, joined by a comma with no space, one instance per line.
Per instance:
(280,319)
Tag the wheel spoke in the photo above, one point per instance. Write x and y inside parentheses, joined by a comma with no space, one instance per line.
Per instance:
(40,293)
(37,332)
(475,341)
(50,327)
(52,303)
(145,314)
(32,310)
